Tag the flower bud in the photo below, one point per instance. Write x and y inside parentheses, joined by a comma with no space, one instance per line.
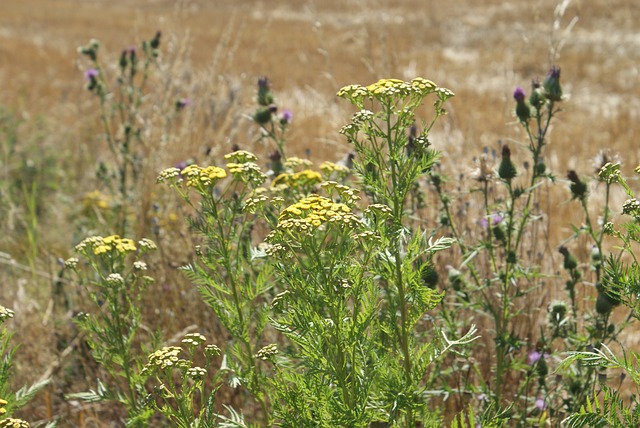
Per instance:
(506,170)
(551,84)
(522,109)
(537,97)
(578,188)
(603,304)
(262,116)
(570,261)
(155,42)
(265,97)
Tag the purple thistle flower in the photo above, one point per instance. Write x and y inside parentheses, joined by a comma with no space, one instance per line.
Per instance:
(540,404)
(519,94)
(495,219)
(183,103)
(91,74)
(534,357)
(286,117)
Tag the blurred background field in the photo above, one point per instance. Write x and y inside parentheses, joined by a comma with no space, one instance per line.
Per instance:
(213,53)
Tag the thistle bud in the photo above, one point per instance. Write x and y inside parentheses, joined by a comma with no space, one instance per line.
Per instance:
(90,50)
(551,84)
(429,276)
(522,109)
(578,188)
(91,75)
(603,304)
(265,97)
(537,97)
(155,42)
(123,61)
(262,116)
(506,170)
(570,261)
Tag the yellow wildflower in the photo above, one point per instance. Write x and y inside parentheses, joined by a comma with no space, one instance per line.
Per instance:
(14,423)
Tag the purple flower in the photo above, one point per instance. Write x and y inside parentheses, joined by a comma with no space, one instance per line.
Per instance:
(519,94)
(183,103)
(91,74)
(286,117)
(495,219)
(534,357)
(540,404)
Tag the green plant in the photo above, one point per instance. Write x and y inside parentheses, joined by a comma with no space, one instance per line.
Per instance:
(10,401)
(112,273)
(120,115)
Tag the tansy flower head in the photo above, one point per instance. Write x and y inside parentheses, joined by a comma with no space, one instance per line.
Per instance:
(194,339)
(196,373)
(610,173)
(202,177)
(165,357)
(247,172)
(5,313)
(268,352)
(241,156)
(169,175)
(294,162)
(14,423)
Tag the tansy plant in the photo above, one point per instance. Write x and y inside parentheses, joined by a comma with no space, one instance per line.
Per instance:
(390,159)
(185,399)
(112,272)
(230,280)
(341,283)
(11,401)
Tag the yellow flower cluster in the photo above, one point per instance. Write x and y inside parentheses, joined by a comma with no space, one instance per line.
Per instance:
(314,211)
(2,404)
(267,352)
(385,90)
(5,313)
(147,244)
(14,423)
(241,156)
(168,174)
(347,194)
(196,373)
(194,339)
(212,351)
(166,357)
(95,199)
(293,162)
(247,172)
(198,176)
(610,172)
(298,179)
(100,245)
(329,168)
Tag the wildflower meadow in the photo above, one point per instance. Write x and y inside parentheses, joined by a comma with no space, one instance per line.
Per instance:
(392,278)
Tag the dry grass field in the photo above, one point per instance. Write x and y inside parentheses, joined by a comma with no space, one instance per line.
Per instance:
(213,53)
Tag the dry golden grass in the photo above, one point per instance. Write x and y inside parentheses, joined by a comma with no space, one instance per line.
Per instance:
(213,52)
